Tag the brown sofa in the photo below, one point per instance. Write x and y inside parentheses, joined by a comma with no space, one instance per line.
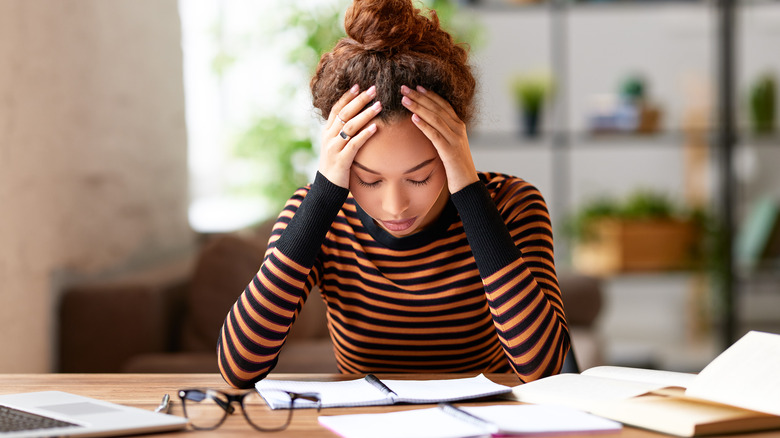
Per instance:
(167,319)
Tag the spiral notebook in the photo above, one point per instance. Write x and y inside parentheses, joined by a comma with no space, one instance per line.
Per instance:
(371,391)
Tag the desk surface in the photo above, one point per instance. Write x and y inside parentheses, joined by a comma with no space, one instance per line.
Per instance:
(146,390)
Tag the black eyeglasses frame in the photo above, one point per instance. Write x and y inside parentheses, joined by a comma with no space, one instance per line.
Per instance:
(226,403)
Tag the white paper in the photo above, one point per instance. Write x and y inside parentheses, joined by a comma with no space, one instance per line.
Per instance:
(435,423)
(538,419)
(415,423)
(579,391)
(347,392)
(657,377)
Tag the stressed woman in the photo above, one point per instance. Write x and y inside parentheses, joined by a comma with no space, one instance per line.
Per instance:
(424,263)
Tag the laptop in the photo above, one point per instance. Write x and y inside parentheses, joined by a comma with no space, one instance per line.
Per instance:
(56,413)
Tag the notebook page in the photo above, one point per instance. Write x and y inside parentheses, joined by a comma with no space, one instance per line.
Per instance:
(539,419)
(433,391)
(415,423)
(334,393)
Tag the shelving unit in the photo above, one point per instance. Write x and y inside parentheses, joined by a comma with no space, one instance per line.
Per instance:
(559,151)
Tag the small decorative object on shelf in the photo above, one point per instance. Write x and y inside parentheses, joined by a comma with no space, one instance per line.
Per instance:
(629,111)
(531,90)
(762,104)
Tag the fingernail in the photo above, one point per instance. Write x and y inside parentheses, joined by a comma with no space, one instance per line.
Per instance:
(415,118)
(421,89)
(406,101)
(377,106)
(372,128)
(371,90)
(355,88)
(405,90)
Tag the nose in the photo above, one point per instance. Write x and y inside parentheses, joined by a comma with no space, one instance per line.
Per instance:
(395,201)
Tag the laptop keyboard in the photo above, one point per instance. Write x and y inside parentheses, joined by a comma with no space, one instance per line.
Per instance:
(14,420)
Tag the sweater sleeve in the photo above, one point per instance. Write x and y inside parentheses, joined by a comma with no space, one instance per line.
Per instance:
(257,325)
(514,254)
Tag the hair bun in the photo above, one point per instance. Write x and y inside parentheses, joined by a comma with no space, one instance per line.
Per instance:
(387,25)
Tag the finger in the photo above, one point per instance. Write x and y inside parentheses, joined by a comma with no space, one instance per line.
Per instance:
(434,135)
(342,102)
(432,102)
(357,123)
(355,143)
(354,107)
(435,121)
(436,128)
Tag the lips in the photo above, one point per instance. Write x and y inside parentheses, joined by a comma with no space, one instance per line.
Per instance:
(399,225)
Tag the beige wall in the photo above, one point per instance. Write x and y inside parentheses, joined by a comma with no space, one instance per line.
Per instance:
(93,174)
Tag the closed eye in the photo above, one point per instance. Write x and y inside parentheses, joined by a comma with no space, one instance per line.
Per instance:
(423,182)
(420,183)
(367,184)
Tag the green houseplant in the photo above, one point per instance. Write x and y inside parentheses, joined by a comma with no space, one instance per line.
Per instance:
(645,231)
(530,91)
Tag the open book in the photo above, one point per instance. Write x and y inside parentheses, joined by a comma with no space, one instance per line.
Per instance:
(736,392)
(447,421)
(370,391)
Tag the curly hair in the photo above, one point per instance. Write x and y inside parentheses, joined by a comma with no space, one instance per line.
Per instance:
(390,43)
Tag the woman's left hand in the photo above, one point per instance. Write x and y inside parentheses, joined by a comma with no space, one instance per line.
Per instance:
(439,122)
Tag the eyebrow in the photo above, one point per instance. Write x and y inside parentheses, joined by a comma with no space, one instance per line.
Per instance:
(415,168)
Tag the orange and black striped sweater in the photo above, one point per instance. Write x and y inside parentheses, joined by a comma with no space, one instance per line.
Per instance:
(476,291)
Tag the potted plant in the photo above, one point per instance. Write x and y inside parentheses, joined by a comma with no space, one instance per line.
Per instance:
(644,232)
(530,91)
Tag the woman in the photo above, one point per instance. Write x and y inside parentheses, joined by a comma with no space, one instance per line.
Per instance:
(425,264)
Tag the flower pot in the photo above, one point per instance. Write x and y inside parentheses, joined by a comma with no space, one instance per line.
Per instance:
(637,246)
(530,123)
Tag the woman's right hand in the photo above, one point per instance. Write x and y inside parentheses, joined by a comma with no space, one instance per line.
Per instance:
(345,132)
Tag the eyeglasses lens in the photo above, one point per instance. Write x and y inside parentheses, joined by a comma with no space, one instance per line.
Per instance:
(264,418)
(204,409)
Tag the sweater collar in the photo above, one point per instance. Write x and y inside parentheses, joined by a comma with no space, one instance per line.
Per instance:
(421,238)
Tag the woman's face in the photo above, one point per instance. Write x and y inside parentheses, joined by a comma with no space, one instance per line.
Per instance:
(398,178)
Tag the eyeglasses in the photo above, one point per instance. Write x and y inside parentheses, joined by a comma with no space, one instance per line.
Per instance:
(207,408)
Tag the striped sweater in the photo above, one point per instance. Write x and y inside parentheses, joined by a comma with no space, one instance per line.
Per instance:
(476,291)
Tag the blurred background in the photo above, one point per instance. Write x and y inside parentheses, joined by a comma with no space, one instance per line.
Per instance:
(133,131)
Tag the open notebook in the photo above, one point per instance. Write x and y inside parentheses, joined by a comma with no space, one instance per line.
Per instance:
(370,391)
(56,413)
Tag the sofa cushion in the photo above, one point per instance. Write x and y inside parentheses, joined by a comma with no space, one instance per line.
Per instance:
(582,298)
(225,266)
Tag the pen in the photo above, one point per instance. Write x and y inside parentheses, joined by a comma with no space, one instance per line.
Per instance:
(372,379)
(165,404)
(468,417)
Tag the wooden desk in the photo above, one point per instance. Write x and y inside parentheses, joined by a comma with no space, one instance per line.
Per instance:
(146,390)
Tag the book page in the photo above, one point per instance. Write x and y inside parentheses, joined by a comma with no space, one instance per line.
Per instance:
(657,377)
(684,416)
(579,391)
(333,393)
(745,375)
(434,391)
